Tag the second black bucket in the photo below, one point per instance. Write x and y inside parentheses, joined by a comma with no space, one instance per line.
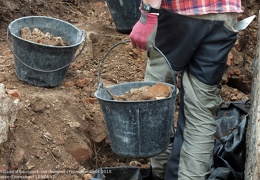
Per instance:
(125,13)
(39,64)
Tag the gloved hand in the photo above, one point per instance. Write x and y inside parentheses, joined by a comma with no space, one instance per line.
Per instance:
(144,31)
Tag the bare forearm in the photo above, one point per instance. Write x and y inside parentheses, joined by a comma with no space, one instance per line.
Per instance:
(154,3)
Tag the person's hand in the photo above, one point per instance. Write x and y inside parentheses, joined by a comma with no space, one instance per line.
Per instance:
(144,31)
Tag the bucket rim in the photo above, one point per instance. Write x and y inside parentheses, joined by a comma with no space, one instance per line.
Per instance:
(45,45)
(173,95)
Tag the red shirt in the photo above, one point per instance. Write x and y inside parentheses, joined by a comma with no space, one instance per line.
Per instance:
(199,7)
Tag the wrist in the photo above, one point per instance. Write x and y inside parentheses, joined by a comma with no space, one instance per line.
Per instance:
(147,8)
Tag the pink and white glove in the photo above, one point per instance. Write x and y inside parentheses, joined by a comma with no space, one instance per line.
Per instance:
(144,31)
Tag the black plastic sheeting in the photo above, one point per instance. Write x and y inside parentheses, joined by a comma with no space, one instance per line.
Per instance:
(229,150)
(230,147)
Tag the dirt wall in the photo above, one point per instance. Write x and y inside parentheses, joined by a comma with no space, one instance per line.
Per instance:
(252,171)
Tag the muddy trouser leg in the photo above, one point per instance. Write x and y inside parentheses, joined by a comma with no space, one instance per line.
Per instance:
(194,140)
(158,70)
(201,54)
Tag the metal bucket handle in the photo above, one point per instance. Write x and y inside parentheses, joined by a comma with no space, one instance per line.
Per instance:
(122,42)
(40,70)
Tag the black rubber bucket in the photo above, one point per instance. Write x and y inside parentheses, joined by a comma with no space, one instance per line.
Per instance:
(39,64)
(137,129)
(125,13)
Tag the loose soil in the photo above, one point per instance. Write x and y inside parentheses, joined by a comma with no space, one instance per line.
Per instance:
(60,131)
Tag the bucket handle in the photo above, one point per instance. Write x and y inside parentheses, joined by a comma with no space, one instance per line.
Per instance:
(40,70)
(124,41)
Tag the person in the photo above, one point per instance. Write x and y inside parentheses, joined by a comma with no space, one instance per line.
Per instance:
(196,37)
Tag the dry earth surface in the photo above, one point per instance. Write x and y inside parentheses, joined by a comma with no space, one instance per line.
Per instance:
(60,131)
